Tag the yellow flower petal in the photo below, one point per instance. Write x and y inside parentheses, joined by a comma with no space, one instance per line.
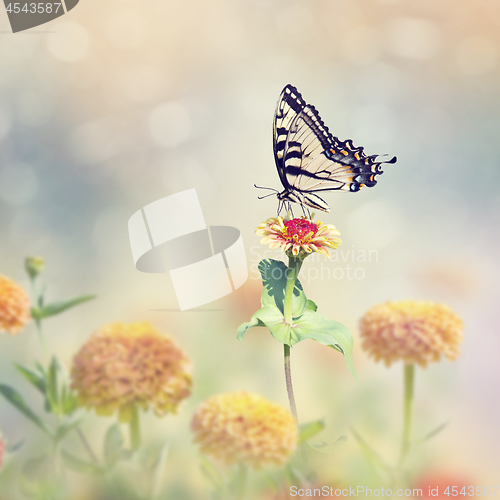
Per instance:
(246,428)
(14,307)
(412,331)
(130,364)
(299,236)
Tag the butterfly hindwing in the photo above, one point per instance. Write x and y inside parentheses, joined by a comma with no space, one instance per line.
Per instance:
(310,159)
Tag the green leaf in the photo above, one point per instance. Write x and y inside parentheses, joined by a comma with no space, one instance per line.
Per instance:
(274,273)
(68,425)
(80,465)
(271,317)
(37,480)
(52,386)
(17,400)
(432,433)
(373,457)
(213,475)
(12,448)
(159,471)
(32,377)
(237,481)
(306,322)
(311,306)
(59,307)
(328,448)
(45,489)
(41,369)
(312,325)
(69,401)
(37,469)
(294,474)
(309,430)
(113,442)
(242,329)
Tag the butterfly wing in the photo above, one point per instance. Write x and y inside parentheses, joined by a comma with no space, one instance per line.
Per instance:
(289,106)
(310,159)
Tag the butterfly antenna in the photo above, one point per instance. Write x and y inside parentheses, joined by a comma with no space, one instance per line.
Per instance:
(271,189)
(265,196)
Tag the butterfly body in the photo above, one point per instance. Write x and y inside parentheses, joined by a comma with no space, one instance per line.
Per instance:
(309,159)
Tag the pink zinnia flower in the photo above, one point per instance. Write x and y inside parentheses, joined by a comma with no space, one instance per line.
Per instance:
(299,236)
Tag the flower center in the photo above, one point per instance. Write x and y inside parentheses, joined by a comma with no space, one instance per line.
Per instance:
(298,229)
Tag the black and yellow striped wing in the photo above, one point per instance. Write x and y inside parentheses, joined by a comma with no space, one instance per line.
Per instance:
(310,159)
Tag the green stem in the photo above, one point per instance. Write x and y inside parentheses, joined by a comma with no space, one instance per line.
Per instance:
(56,465)
(86,444)
(294,265)
(41,336)
(38,299)
(135,432)
(409,377)
(241,487)
(289,386)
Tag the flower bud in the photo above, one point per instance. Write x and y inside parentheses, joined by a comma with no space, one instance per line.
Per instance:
(34,266)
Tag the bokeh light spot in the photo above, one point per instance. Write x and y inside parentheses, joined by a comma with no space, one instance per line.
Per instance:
(170,124)
(70,43)
(126,30)
(18,184)
(413,38)
(360,45)
(5,123)
(476,56)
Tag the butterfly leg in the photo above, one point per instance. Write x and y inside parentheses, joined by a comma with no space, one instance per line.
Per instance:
(306,215)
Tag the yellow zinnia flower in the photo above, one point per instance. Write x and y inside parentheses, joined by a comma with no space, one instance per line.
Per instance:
(14,307)
(299,236)
(122,365)
(414,331)
(246,428)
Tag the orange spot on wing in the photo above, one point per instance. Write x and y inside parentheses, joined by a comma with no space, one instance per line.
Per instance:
(356,156)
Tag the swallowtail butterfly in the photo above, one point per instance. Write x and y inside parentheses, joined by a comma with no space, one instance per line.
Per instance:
(310,159)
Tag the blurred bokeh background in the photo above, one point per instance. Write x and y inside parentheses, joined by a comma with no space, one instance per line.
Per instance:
(120,103)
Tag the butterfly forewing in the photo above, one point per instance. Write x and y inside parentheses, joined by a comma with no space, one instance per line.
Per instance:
(289,106)
(306,166)
(310,159)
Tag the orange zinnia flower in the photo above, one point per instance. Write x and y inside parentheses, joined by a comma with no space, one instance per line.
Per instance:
(122,365)
(14,307)
(246,428)
(414,331)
